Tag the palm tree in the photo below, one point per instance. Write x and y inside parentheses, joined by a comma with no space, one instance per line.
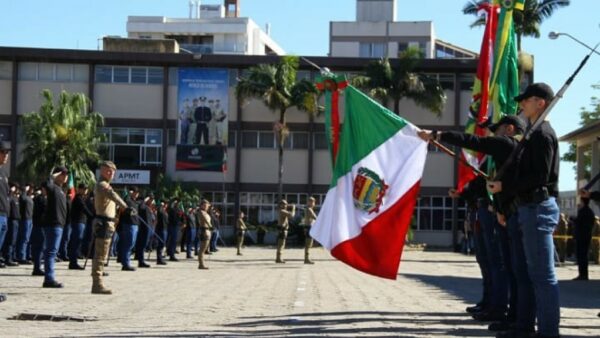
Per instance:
(385,81)
(276,86)
(528,21)
(64,133)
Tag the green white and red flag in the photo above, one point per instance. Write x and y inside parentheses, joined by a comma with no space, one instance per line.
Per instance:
(376,178)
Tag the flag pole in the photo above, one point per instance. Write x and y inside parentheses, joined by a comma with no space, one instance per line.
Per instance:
(445,149)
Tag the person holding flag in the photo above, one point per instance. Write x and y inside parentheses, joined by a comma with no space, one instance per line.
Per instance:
(79,216)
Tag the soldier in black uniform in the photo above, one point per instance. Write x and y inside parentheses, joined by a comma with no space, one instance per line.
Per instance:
(202,115)
(584,224)
(173,229)
(40,203)
(80,213)
(14,218)
(145,230)
(508,132)
(128,230)
(162,223)
(536,188)
(26,210)
(55,220)
(4,154)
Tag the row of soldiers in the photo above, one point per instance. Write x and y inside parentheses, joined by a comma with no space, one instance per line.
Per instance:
(57,226)
(513,231)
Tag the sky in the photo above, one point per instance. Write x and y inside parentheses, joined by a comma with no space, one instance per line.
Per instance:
(301,27)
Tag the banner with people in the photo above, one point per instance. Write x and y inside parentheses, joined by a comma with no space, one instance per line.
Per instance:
(203,102)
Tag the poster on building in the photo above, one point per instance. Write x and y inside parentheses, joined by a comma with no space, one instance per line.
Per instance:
(203,102)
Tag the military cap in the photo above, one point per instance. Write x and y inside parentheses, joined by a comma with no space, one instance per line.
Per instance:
(60,169)
(4,146)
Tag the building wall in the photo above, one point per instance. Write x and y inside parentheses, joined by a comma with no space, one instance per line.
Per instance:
(30,98)
(114,100)
(5,97)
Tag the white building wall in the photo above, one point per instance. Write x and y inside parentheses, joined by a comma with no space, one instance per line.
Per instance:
(345,49)
(30,93)
(114,100)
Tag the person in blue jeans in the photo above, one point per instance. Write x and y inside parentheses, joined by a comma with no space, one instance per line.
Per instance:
(24,236)
(37,235)
(173,229)
(162,222)
(146,229)
(14,218)
(215,215)
(128,230)
(191,229)
(54,221)
(536,187)
(4,191)
(79,217)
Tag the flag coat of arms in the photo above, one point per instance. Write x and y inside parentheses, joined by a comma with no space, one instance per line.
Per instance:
(375,184)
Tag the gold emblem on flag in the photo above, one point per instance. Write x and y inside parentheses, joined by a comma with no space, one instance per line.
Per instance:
(368,190)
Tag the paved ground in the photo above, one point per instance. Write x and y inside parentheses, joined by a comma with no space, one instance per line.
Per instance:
(252,296)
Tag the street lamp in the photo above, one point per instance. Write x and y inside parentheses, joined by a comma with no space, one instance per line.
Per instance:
(554,35)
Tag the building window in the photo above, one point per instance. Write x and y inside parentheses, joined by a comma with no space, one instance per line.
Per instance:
(231,139)
(124,74)
(133,146)
(371,50)
(249,139)
(320,141)
(53,72)
(5,70)
(261,208)
(266,140)
(435,213)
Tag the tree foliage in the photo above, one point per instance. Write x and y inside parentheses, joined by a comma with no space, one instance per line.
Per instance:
(277,87)
(64,132)
(387,80)
(528,21)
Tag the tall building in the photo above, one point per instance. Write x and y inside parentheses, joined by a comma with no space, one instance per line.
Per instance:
(376,34)
(209,29)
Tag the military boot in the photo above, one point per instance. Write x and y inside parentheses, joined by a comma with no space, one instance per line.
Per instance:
(99,289)
(307,260)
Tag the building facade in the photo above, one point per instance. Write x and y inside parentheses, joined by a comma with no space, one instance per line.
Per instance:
(209,29)
(137,94)
(377,34)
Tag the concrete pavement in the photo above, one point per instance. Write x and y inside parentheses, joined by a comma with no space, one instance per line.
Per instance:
(252,296)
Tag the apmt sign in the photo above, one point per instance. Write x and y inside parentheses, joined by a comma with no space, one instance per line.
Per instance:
(130,176)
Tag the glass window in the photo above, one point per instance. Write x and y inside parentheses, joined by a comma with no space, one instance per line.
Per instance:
(137,136)
(267,139)
(153,136)
(119,135)
(46,72)
(5,70)
(127,155)
(320,141)
(364,50)
(249,139)
(153,154)
(267,199)
(5,133)
(138,74)
(287,142)
(378,50)
(300,140)
(121,74)
(231,139)
(155,75)
(28,71)
(402,46)
(64,72)
(103,74)
(81,73)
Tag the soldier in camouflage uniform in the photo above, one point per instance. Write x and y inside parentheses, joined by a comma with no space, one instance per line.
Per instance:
(106,202)
(204,230)
(309,219)
(283,224)
(240,232)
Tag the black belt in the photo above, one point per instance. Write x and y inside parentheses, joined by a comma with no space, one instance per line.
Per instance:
(105,218)
(537,195)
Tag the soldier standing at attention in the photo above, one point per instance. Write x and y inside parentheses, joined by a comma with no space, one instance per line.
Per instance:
(55,219)
(309,219)
(105,203)
(4,153)
(26,209)
(283,225)
(205,226)
(79,216)
(240,232)
(145,230)
(162,223)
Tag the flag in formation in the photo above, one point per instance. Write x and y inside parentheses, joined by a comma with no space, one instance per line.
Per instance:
(375,184)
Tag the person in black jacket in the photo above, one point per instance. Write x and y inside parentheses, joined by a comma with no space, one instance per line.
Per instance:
(40,204)
(145,229)
(4,155)
(536,187)
(26,210)
(55,219)
(128,229)
(191,232)
(80,214)
(86,245)
(583,236)
(162,223)
(173,229)
(202,115)
(14,218)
